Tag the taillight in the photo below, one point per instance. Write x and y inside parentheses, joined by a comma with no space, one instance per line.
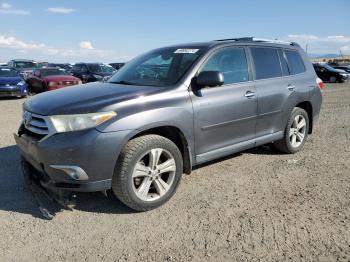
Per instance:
(320,83)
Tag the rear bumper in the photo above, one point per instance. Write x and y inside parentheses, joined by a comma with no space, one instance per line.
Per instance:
(90,151)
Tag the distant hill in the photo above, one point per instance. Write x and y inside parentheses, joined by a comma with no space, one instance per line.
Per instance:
(323,55)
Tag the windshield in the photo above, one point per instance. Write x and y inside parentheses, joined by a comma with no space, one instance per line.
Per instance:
(99,68)
(25,64)
(162,67)
(330,68)
(53,72)
(7,72)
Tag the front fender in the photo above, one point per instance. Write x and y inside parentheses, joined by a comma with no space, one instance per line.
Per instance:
(181,118)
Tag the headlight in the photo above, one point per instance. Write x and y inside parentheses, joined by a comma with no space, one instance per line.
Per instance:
(21,83)
(346,75)
(54,83)
(67,123)
(97,76)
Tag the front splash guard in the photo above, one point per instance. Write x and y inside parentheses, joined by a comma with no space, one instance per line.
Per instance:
(42,191)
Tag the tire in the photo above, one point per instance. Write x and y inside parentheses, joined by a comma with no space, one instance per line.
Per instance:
(332,79)
(294,136)
(127,183)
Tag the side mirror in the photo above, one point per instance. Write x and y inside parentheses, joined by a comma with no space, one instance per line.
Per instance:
(210,78)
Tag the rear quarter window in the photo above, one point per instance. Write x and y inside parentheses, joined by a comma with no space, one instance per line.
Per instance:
(266,62)
(295,62)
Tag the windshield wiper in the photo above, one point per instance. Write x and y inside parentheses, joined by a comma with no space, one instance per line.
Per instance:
(122,82)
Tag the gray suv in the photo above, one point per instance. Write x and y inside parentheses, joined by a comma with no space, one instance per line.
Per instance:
(167,111)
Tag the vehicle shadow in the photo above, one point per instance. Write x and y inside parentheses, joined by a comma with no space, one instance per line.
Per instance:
(16,196)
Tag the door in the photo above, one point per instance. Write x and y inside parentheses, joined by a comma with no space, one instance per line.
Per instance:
(273,88)
(35,82)
(225,115)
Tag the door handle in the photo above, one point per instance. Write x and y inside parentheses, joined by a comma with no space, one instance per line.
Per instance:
(249,94)
(291,88)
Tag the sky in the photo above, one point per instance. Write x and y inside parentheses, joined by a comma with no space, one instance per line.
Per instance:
(116,31)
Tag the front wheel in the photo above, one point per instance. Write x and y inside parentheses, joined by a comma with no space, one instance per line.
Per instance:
(148,172)
(295,133)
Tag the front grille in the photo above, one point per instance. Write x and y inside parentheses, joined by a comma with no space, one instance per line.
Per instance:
(7,89)
(35,124)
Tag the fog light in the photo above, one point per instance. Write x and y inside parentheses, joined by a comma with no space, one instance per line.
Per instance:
(74,172)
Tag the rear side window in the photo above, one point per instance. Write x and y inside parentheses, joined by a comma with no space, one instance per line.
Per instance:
(266,62)
(232,62)
(296,64)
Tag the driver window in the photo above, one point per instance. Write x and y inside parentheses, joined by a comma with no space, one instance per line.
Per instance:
(37,73)
(84,69)
(231,62)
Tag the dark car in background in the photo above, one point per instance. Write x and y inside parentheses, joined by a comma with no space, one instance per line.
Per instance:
(23,66)
(330,74)
(345,68)
(91,72)
(46,79)
(117,66)
(12,83)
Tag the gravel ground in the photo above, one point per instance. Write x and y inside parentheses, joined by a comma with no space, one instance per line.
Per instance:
(258,205)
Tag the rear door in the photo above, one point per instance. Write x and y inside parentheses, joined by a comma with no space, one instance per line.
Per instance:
(225,115)
(273,90)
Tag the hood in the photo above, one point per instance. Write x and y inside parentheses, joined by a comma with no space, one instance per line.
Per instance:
(85,98)
(10,80)
(60,78)
(25,70)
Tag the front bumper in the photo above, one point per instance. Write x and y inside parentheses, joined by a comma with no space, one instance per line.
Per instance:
(92,151)
(13,91)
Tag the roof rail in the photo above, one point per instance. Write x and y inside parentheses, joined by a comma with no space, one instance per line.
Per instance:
(253,39)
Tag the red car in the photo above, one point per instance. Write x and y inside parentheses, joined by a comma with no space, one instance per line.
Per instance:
(45,79)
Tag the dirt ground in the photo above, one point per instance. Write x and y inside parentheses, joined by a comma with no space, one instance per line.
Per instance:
(258,205)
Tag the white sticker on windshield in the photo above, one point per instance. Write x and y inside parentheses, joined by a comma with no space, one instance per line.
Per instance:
(186,51)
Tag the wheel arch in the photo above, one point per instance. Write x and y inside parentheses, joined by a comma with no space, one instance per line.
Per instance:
(307,106)
(175,135)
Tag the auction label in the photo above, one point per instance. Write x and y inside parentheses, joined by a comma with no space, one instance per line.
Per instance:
(186,51)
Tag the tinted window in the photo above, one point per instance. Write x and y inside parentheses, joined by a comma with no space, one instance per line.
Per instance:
(7,72)
(231,62)
(25,64)
(53,72)
(266,62)
(77,68)
(284,65)
(296,64)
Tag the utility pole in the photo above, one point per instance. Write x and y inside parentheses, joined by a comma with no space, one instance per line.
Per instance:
(306,48)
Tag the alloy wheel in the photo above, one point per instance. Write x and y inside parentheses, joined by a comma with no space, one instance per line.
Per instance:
(297,131)
(153,174)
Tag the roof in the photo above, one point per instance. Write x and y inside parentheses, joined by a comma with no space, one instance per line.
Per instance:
(238,41)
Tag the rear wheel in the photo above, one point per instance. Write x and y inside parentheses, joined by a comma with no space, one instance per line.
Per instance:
(333,79)
(295,133)
(148,172)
